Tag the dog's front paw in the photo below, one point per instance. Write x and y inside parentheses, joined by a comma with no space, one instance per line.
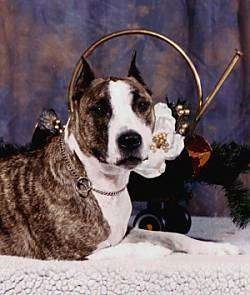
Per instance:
(223,249)
(212,248)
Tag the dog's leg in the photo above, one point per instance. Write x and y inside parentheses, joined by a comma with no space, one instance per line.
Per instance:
(130,250)
(179,242)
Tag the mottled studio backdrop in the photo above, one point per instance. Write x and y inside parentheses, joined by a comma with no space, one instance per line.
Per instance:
(41,40)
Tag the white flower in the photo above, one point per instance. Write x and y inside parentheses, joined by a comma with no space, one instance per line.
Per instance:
(164,122)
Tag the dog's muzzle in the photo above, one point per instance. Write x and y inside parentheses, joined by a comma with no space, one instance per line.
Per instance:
(129,144)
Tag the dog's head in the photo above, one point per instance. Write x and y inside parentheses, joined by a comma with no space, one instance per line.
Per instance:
(113,117)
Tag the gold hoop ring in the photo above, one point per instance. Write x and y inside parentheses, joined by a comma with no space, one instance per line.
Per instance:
(113,35)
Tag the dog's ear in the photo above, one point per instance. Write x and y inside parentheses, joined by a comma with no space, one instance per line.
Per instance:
(84,80)
(135,73)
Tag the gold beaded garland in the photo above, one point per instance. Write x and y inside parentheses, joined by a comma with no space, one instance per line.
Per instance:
(181,111)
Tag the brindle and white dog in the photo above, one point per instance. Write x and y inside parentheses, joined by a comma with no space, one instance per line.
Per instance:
(42,212)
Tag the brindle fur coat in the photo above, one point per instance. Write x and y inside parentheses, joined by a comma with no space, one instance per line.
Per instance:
(41,214)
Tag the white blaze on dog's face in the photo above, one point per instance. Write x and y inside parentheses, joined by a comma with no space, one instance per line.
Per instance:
(112,119)
(130,127)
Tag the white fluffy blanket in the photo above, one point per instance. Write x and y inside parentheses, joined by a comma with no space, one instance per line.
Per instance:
(174,274)
(151,272)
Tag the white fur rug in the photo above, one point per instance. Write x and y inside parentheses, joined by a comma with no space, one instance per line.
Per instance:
(148,270)
(173,274)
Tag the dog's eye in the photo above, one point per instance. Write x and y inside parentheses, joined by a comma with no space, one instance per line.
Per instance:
(101,108)
(143,106)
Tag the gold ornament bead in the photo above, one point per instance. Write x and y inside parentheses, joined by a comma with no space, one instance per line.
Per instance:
(186,111)
(60,131)
(58,121)
(181,131)
(184,126)
(56,127)
(180,112)
(179,107)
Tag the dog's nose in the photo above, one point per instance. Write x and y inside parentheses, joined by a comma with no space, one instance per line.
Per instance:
(129,141)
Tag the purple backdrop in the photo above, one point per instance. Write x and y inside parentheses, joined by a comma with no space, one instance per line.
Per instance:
(41,40)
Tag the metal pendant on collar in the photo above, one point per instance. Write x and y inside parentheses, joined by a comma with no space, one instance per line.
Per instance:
(83,186)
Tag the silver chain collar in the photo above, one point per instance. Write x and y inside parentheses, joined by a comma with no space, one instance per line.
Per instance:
(82,183)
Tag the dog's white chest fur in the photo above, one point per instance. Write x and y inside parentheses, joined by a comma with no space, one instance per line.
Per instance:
(116,210)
